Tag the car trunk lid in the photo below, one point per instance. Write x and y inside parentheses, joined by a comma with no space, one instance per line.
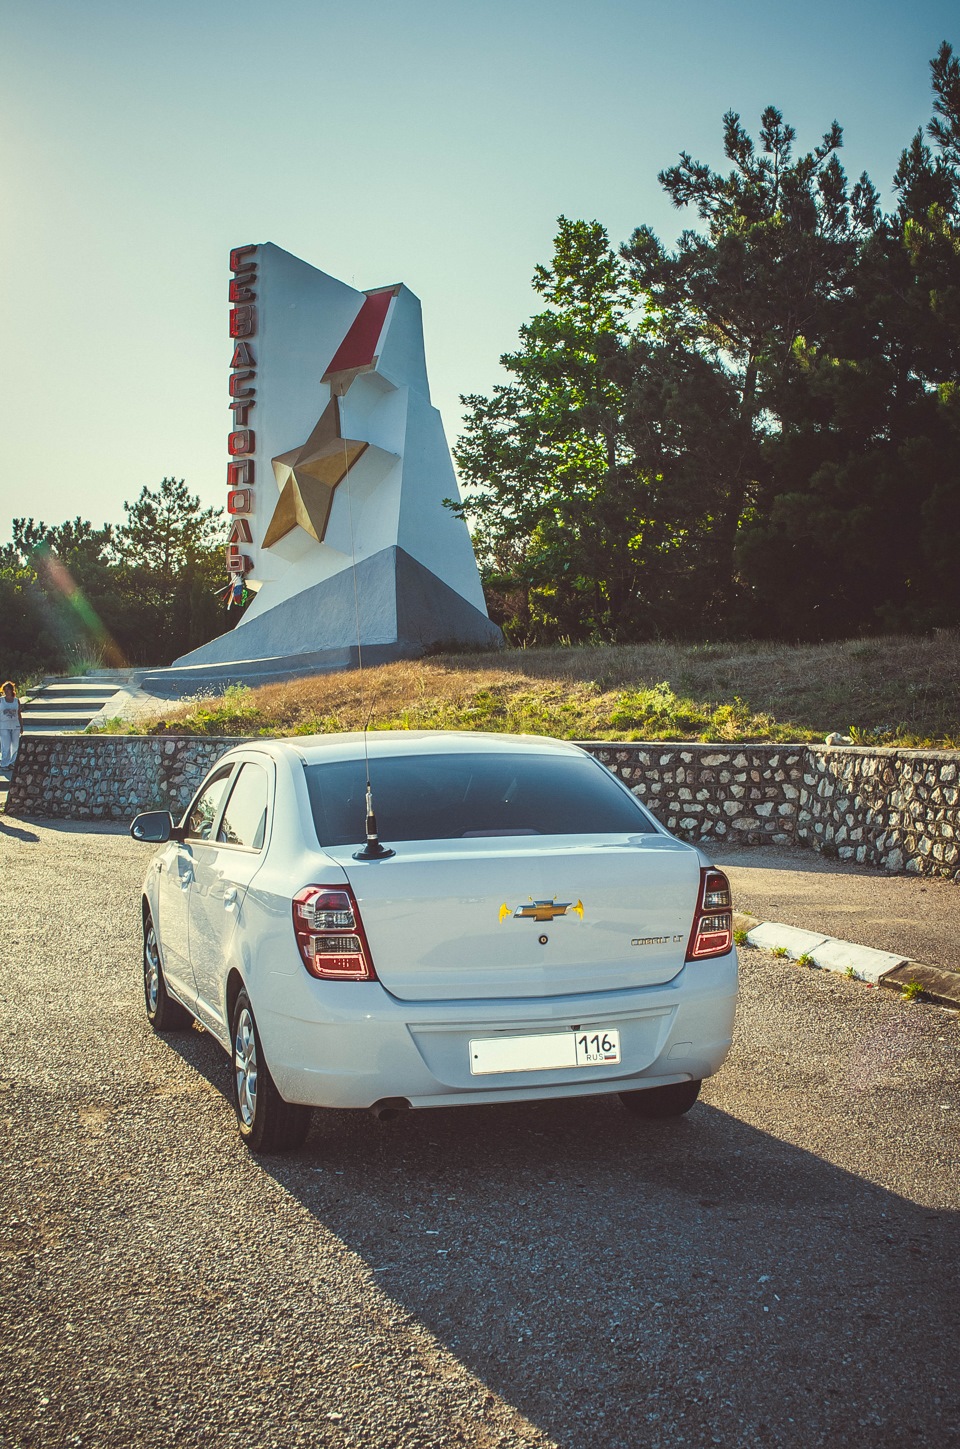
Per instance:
(480,919)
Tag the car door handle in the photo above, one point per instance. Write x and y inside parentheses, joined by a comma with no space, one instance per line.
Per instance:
(230,896)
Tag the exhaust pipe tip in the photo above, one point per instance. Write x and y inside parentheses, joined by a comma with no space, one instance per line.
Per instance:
(389,1107)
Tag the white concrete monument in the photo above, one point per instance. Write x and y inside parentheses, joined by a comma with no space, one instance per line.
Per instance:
(337,475)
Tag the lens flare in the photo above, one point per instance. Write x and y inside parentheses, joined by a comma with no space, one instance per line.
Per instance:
(57,579)
(881,1058)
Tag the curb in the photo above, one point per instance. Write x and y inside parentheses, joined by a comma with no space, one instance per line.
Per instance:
(939,986)
(877,968)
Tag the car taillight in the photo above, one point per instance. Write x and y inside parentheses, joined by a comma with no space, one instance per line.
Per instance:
(330,934)
(712,933)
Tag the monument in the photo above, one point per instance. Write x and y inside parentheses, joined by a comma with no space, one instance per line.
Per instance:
(338,468)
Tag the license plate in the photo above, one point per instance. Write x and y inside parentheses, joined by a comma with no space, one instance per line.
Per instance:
(596,1047)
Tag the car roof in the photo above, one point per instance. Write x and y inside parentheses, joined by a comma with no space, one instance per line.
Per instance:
(314,749)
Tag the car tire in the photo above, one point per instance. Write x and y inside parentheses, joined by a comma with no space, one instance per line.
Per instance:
(658,1102)
(163,1013)
(267,1123)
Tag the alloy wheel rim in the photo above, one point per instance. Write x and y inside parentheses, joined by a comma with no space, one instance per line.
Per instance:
(151,970)
(245,1067)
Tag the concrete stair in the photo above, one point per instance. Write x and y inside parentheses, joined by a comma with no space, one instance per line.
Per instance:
(66,706)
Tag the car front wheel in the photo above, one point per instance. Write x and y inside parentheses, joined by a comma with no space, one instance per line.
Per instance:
(163,1013)
(267,1123)
(670,1101)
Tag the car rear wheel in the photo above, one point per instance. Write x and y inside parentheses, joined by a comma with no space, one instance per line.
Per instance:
(163,1013)
(670,1101)
(267,1123)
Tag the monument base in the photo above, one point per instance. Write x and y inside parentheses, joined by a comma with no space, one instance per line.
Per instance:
(176,681)
(404,610)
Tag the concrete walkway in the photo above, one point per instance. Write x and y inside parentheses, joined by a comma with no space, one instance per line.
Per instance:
(916,918)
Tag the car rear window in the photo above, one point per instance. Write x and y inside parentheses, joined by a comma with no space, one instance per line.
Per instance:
(450,797)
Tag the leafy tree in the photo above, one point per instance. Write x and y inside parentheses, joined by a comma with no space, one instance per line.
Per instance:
(683,428)
(552,490)
(29,648)
(56,571)
(141,593)
(756,431)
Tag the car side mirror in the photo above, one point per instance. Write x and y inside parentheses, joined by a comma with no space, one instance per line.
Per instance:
(153,827)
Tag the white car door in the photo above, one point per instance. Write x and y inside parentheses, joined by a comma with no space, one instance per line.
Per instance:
(176,884)
(223,870)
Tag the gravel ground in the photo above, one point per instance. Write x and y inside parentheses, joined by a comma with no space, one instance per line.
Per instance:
(777,1268)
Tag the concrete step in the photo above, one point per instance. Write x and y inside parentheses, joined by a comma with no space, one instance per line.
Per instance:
(34,721)
(107,676)
(115,677)
(178,681)
(73,704)
(75,691)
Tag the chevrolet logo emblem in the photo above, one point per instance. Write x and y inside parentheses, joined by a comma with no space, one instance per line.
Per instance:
(541,910)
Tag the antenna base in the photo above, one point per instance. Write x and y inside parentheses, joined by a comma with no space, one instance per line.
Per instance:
(373,850)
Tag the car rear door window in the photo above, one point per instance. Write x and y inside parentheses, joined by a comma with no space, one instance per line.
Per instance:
(203,811)
(245,816)
(443,797)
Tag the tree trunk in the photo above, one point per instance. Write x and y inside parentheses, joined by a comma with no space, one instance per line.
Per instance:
(732,513)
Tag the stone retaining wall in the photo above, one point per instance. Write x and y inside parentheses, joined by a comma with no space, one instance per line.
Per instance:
(109,777)
(899,809)
(896,808)
(746,794)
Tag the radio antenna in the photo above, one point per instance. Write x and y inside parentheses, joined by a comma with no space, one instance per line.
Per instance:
(372,849)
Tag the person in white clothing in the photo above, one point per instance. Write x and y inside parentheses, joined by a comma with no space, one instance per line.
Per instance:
(11,724)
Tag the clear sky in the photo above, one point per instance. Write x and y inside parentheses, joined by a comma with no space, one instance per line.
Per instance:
(432,142)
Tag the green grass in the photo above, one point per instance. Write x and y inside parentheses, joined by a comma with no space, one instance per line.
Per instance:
(899,690)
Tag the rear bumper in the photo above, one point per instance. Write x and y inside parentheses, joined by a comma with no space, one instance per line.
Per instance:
(347,1044)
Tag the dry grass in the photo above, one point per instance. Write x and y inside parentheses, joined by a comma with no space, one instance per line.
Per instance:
(895,690)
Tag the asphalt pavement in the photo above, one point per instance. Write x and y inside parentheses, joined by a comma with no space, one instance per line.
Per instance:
(915,916)
(780,1267)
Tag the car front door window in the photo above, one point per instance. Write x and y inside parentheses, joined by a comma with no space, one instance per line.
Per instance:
(203,812)
(245,816)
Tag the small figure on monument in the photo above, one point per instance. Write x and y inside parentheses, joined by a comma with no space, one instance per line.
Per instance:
(236,592)
(11,725)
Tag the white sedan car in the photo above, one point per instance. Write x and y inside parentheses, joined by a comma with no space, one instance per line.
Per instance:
(520,929)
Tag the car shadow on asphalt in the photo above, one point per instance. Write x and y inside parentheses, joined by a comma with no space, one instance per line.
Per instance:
(597,1271)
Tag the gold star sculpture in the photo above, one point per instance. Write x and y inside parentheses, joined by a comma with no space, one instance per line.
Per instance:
(308,477)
